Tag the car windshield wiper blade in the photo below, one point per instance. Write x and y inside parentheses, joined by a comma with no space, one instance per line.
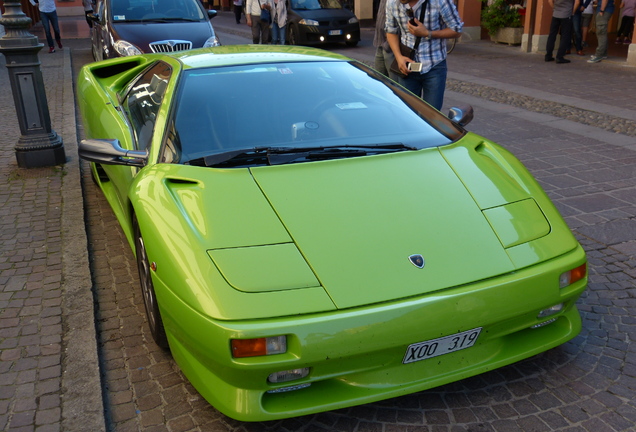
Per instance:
(168,19)
(286,155)
(282,155)
(245,156)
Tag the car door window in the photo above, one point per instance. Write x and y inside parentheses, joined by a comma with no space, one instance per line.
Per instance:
(144,100)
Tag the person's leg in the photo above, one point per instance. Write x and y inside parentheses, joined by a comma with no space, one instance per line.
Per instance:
(237,13)
(256,29)
(585,27)
(379,63)
(388,61)
(621,30)
(601,33)
(412,83)
(576,29)
(282,35)
(549,46)
(56,28)
(566,37)
(275,34)
(47,29)
(266,33)
(434,85)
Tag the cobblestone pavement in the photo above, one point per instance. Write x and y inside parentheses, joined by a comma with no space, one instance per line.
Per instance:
(49,379)
(587,384)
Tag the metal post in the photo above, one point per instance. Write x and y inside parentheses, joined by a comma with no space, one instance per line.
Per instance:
(39,145)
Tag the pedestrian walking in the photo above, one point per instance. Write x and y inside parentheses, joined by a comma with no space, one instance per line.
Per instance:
(238,10)
(259,18)
(48,14)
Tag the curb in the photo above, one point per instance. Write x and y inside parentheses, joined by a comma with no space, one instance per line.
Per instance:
(82,403)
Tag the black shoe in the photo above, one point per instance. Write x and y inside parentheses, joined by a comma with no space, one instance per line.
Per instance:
(549,58)
(562,60)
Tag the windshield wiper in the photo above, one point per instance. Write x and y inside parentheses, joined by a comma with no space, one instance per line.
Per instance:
(283,155)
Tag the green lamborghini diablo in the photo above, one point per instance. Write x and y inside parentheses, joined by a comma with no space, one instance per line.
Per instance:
(311,236)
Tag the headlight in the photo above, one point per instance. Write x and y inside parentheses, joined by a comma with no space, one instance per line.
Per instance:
(308,22)
(212,42)
(125,48)
(353,20)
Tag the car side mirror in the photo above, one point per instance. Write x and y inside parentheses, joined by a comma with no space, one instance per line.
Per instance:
(212,13)
(462,115)
(109,152)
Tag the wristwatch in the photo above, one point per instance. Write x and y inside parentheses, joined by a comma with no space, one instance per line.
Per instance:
(428,36)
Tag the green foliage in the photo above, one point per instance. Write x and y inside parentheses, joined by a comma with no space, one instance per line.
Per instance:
(498,15)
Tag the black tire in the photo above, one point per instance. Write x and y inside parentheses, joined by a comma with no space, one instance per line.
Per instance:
(148,290)
(351,43)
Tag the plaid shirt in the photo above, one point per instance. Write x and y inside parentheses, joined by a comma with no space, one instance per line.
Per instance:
(439,15)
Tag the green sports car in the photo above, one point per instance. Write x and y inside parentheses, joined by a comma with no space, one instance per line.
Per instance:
(311,236)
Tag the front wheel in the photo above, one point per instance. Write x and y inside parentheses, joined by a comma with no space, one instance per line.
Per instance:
(148,291)
(351,43)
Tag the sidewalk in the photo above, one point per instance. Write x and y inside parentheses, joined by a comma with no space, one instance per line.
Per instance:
(49,368)
(49,371)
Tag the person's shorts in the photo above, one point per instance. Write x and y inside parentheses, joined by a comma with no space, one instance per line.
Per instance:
(586,19)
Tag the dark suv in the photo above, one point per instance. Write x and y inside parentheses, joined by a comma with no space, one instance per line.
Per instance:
(131,27)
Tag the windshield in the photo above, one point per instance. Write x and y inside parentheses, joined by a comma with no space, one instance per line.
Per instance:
(298,105)
(149,10)
(315,4)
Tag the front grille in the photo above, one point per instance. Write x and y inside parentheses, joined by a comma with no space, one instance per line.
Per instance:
(170,46)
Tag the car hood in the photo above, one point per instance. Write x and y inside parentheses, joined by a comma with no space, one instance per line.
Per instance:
(142,34)
(346,228)
(357,221)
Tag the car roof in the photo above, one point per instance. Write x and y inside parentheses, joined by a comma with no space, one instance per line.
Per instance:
(229,55)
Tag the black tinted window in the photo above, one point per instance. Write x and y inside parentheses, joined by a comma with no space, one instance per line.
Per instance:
(298,104)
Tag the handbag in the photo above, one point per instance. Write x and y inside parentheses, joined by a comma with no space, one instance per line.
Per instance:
(266,15)
(406,51)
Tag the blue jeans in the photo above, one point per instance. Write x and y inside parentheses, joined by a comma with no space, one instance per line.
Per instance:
(429,86)
(576,28)
(52,18)
(278,34)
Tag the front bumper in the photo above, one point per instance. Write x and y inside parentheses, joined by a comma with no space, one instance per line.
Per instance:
(315,35)
(355,356)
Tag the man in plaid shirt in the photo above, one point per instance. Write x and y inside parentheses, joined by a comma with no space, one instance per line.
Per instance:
(440,22)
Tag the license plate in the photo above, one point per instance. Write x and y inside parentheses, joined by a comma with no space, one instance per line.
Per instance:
(444,345)
(335,32)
